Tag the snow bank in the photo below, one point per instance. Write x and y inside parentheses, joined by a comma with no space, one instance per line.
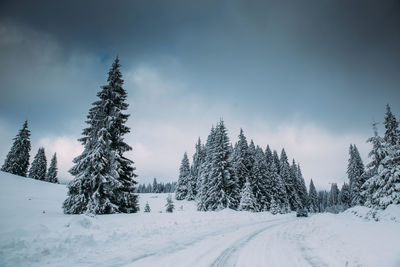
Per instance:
(391,213)
(342,240)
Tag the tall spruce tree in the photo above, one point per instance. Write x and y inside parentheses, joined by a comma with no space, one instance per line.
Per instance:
(155,186)
(276,160)
(355,172)
(205,171)
(17,159)
(322,200)
(283,159)
(241,160)
(258,180)
(222,185)
(191,185)
(289,175)
(279,194)
(377,154)
(39,166)
(270,179)
(275,208)
(184,179)
(104,178)
(251,155)
(392,128)
(198,158)
(297,189)
(388,177)
(359,200)
(268,155)
(344,196)
(301,186)
(385,185)
(313,198)
(333,199)
(125,198)
(51,175)
(200,169)
(190,194)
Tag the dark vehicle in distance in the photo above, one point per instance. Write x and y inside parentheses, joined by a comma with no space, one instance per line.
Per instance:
(302,213)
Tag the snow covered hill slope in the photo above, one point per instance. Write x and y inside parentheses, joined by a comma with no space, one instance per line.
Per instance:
(35,232)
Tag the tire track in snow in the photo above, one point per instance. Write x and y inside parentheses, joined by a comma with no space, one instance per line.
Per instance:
(229,256)
(182,246)
(307,253)
(312,260)
(269,241)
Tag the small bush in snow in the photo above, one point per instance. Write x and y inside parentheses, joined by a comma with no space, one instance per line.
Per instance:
(147,207)
(170,204)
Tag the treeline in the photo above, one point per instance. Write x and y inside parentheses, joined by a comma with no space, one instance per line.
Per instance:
(335,200)
(241,177)
(17,159)
(246,177)
(157,187)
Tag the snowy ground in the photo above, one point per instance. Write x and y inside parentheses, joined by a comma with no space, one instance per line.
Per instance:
(35,232)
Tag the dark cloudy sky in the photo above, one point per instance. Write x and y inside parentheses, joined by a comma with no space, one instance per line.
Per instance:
(307,75)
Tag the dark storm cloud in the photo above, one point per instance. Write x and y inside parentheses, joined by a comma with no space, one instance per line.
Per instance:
(134,26)
(317,56)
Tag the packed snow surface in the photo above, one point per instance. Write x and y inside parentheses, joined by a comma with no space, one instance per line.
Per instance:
(35,232)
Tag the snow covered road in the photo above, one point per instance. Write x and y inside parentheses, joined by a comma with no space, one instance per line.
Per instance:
(280,246)
(35,232)
(216,249)
(287,241)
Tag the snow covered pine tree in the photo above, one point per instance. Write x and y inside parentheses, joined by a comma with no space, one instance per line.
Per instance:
(313,198)
(184,178)
(198,158)
(241,160)
(355,172)
(333,199)
(223,191)
(104,179)
(383,187)
(279,194)
(51,175)
(301,186)
(274,207)
(39,166)
(205,170)
(344,196)
(377,154)
(289,180)
(247,200)
(17,160)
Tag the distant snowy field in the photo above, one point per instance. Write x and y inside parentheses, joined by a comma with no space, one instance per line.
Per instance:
(35,232)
